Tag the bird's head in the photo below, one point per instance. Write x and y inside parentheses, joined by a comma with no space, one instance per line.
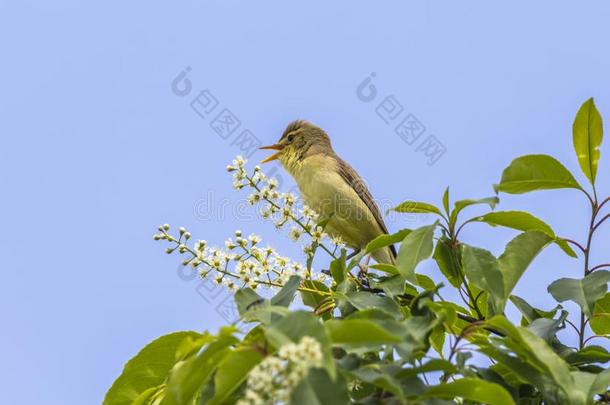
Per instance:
(300,140)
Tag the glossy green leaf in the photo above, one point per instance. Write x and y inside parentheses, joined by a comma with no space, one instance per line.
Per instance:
(472,389)
(359,332)
(530,313)
(148,369)
(318,388)
(386,268)
(294,326)
(448,260)
(483,271)
(446,200)
(379,377)
(365,300)
(416,207)
(587,136)
(246,299)
(535,172)
(600,321)
(588,355)
(386,240)
(461,204)
(188,377)
(585,292)
(338,269)
(518,255)
(232,372)
(541,362)
(285,296)
(600,383)
(312,299)
(416,247)
(523,221)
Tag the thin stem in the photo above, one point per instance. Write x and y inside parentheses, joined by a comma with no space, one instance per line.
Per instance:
(601,221)
(599,266)
(578,245)
(601,205)
(587,251)
(594,337)
(573,326)
(457,233)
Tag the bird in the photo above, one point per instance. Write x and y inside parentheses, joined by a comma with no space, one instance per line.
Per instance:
(331,187)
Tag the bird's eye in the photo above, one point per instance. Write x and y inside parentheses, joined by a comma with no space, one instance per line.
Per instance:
(290,138)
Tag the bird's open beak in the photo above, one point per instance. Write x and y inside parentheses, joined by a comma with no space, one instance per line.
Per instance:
(276,155)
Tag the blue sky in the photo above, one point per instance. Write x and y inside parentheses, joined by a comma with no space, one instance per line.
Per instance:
(96,149)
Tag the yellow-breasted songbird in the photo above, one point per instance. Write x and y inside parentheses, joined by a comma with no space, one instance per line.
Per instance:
(331,187)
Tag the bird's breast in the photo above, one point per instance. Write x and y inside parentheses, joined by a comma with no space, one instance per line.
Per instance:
(326,191)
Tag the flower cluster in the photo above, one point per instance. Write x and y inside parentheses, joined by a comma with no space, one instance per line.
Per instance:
(242,262)
(282,209)
(274,378)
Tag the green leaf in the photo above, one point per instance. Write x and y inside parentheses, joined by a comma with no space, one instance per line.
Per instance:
(416,207)
(460,205)
(600,384)
(535,172)
(386,268)
(148,369)
(189,376)
(359,332)
(386,240)
(535,362)
(285,296)
(318,388)
(518,255)
(448,260)
(530,313)
(600,321)
(246,299)
(523,221)
(588,355)
(446,200)
(472,389)
(416,247)
(585,292)
(232,372)
(483,271)
(380,377)
(338,269)
(364,300)
(312,299)
(392,286)
(297,324)
(587,136)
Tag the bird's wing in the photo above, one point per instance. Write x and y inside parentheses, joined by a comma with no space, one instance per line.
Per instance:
(356,183)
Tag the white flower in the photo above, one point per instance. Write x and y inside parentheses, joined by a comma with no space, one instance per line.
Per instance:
(337,241)
(239,161)
(229,244)
(317,234)
(254,198)
(273,380)
(265,213)
(295,233)
(289,198)
(254,239)
(272,183)
(309,213)
(281,261)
